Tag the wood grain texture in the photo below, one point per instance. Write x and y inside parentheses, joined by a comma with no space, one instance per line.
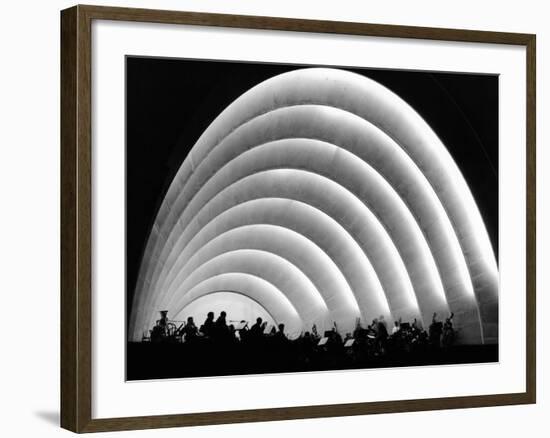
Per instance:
(69,330)
(76,219)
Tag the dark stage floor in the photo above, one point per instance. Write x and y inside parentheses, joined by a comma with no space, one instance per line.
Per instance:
(158,361)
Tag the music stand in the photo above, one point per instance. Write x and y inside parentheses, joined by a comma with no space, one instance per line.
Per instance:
(322,341)
(241,325)
(349,343)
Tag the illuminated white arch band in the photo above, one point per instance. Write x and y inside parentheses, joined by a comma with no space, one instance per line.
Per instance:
(210,300)
(329,235)
(338,203)
(302,253)
(274,269)
(275,302)
(374,190)
(371,102)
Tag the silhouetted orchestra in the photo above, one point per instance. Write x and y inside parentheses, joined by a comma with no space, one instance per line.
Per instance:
(374,338)
(222,346)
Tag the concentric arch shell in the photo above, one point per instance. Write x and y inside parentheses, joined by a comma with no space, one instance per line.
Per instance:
(324,197)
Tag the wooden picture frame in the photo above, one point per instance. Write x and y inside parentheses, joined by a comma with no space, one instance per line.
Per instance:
(76,218)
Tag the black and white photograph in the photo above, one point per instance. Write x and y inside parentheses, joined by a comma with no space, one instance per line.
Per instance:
(287,218)
(274,218)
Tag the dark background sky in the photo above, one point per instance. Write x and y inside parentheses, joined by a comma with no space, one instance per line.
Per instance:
(170,102)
